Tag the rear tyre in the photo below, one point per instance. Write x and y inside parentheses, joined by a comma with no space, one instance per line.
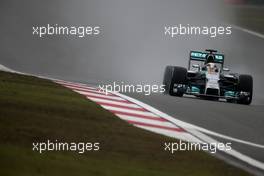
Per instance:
(175,76)
(245,84)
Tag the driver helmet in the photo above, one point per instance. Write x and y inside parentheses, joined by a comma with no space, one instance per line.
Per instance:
(209,58)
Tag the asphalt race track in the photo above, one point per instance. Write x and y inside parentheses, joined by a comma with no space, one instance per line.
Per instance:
(234,120)
(131,55)
(239,121)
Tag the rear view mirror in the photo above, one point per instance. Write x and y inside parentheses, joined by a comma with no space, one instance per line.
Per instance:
(226,69)
(196,66)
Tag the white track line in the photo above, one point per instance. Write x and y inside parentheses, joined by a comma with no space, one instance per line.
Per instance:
(225,136)
(193,129)
(182,136)
(194,134)
(232,152)
(152,122)
(191,126)
(249,31)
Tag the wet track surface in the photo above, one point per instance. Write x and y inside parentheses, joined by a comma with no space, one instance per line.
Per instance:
(139,55)
(234,120)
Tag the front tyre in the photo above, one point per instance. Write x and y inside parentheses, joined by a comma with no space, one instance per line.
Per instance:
(245,89)
(175,78)
(167,79)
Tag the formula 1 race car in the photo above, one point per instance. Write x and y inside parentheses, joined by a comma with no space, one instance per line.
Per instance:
(207,78)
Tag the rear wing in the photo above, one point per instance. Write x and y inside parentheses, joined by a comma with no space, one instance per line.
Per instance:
(201,56)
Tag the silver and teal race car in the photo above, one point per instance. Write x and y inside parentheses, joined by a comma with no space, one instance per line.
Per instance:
(206,77)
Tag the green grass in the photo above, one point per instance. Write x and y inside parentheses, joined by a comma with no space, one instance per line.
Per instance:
(35,110)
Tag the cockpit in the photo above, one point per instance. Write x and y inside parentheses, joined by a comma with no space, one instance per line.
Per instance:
(209,65)
(212,68)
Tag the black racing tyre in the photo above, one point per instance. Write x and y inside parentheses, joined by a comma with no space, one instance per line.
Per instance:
(174,75)
(245,84)
(167,79)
